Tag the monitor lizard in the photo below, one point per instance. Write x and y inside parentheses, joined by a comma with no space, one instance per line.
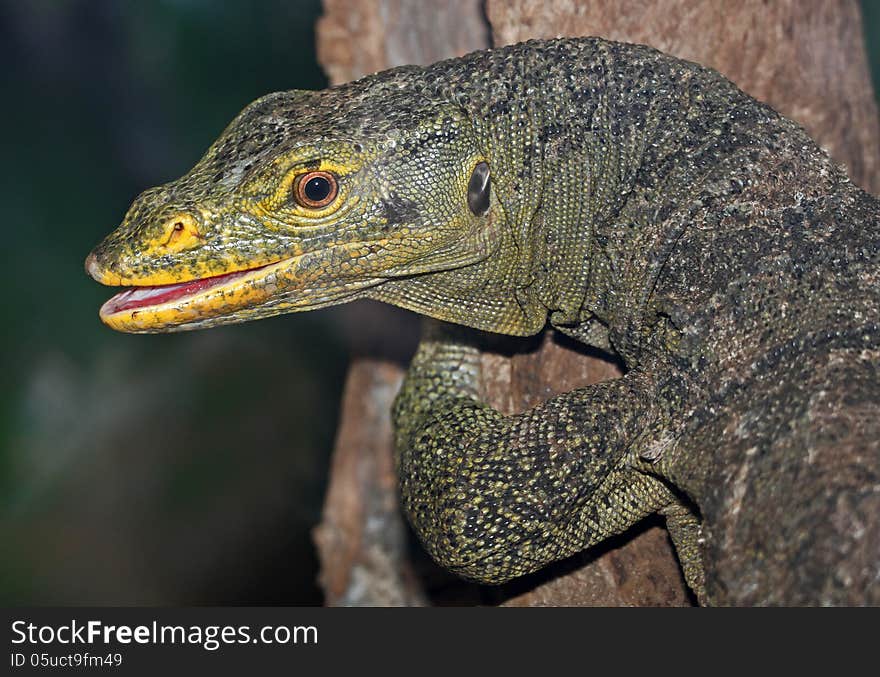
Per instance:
(637,202)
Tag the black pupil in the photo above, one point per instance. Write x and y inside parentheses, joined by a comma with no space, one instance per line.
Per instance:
(317,189)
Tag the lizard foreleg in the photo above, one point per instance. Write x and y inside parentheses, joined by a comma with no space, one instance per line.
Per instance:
(492,496)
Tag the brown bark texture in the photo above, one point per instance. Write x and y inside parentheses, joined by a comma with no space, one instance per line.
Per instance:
(804,58)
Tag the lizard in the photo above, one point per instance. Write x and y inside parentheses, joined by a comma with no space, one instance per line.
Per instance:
(639,203)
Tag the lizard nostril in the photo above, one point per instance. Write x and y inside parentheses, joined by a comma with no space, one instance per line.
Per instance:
(182,222)
(180,231)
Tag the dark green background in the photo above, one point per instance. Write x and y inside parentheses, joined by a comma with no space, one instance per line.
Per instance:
(176,469)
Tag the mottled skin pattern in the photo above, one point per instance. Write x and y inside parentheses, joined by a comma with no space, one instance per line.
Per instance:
(639,203)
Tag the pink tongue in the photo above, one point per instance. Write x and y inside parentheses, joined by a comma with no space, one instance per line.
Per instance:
(138,297)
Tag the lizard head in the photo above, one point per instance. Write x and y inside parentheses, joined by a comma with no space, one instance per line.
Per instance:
(307,199)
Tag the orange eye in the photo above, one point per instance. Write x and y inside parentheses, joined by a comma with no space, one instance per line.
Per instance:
(314,190)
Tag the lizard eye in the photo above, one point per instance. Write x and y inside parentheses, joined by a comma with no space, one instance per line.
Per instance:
(314,190)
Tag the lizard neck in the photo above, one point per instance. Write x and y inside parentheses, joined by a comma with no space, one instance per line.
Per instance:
(595,152)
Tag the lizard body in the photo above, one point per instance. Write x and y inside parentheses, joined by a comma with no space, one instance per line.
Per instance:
(635,201)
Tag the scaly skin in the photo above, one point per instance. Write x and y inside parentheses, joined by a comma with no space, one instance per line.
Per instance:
(637,202)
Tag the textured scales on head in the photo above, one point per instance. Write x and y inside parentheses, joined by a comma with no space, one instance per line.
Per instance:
(403,145)
(401,158)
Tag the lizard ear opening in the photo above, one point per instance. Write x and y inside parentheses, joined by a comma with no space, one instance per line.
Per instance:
(478,190)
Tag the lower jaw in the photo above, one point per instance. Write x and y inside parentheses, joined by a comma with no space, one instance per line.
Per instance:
(261,299)
(174,307)
(185,313)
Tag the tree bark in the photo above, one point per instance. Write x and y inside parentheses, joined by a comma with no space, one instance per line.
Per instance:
(804,58)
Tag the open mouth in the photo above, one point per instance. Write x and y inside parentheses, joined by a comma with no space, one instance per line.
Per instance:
(261,291)
(135,298)
(142,297)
